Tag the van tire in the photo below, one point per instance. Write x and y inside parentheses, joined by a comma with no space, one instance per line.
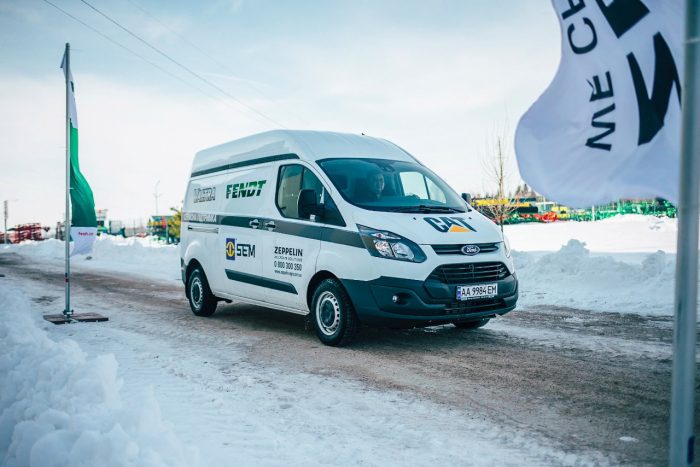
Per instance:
(332,314)
(202,301)
(472,324)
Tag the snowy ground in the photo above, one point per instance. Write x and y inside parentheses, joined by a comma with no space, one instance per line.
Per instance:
(145,392)
(120,398)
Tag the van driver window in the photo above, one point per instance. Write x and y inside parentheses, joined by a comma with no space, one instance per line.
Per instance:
(294,178)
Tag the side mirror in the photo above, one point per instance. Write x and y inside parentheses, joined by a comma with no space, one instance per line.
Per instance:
(307,204)
(467,197)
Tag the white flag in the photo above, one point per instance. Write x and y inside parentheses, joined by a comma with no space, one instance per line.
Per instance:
(83,239)
(608,126)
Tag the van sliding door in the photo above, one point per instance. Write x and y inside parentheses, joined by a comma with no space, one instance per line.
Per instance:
(240,245)
(295,239)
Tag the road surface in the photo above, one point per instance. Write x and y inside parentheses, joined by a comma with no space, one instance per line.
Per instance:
(584,381)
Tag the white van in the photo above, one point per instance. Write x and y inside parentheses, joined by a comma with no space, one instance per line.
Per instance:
(345,228)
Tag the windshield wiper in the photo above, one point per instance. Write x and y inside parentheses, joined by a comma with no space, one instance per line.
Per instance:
(423,208)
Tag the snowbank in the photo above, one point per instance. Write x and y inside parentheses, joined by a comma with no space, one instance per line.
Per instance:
(572,277)
(58,407)
(135,256)
(631,233)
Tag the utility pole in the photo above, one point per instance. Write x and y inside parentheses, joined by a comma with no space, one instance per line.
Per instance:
(6,213)
(156,195)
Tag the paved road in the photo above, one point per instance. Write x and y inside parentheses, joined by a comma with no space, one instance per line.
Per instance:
(580,379)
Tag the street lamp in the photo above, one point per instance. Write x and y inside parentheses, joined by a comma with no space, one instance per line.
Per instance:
(6,211)
(156,195)
(4,204)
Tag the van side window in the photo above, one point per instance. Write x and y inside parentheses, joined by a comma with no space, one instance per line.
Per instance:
(294,178)
(288,187)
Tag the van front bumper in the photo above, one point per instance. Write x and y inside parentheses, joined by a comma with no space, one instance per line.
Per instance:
(393,301)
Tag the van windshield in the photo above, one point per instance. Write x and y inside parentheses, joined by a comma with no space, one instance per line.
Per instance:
(390,185)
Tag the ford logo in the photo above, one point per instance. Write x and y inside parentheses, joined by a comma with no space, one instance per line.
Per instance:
(471,250)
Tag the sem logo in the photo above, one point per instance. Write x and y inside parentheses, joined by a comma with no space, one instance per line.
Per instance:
(245,250)
(471,250)
(231,249)
(449,224)
(245,189)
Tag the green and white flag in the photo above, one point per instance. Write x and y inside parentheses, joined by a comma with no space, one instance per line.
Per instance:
(83,230)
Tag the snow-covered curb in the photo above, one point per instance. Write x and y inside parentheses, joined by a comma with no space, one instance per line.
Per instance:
(58,407)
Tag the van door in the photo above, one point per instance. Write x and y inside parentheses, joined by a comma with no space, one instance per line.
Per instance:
(293,242)
(246,193)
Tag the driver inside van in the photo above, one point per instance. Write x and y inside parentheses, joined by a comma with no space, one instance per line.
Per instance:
(375,186)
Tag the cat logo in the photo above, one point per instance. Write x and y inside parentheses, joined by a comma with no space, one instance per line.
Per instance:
(449,224)
(231,249)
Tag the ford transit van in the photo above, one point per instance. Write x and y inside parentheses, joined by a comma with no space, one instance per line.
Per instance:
(347,229)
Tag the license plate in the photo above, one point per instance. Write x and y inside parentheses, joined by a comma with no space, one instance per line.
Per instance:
(468,292)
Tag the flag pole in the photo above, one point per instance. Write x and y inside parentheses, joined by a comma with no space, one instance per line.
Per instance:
(83,213)
(681,442)
(67,312)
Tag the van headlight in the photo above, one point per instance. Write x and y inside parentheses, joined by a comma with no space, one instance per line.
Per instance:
(383,244)
(506,246)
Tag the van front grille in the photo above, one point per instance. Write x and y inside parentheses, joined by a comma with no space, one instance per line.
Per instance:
(469,273)
(457,248)
(475,306)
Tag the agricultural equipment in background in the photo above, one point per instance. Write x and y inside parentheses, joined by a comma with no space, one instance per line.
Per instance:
(20,233)
(537,209)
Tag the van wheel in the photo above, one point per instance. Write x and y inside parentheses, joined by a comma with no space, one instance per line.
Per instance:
(472,324)
(333,315)
(202,301)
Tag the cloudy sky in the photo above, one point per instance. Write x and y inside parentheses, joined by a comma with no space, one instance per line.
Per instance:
(441,79)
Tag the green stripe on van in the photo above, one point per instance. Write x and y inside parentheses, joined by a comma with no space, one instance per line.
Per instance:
(236,165)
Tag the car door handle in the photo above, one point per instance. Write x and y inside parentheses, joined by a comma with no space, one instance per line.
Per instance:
(254,223)
(270,225)
(197,228)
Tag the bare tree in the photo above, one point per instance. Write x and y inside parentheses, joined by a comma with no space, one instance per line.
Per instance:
(495,164)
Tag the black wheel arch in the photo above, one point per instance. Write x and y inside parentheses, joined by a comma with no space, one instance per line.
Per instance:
(317,278)
(191,266)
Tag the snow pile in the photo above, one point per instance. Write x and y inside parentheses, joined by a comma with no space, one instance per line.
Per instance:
(572,277)
(58,407)
(140,256)
(632,233)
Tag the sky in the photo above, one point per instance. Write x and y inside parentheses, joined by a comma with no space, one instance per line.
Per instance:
(442,79)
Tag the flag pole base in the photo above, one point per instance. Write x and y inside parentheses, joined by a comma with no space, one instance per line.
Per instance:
(76,318)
